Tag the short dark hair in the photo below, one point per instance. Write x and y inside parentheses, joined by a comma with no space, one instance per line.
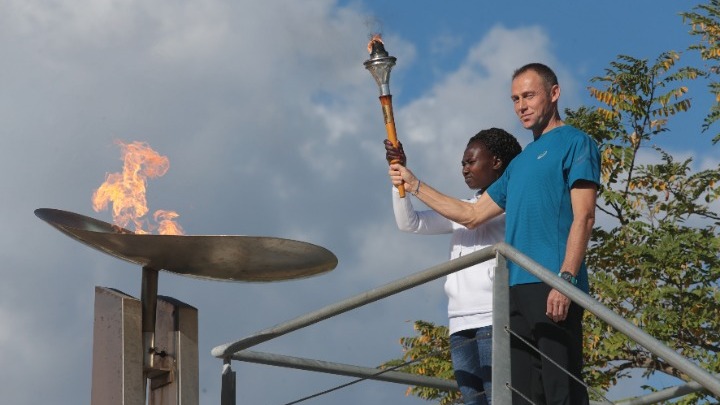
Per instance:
(499,142)
(544,71)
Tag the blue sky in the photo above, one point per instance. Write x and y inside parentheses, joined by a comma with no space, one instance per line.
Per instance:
(584,37)
(272,128)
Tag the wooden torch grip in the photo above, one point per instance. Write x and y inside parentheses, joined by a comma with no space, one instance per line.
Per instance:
(386,103)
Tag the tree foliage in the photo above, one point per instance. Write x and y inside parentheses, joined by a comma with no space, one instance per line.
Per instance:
(704,23)
(427,354)
(655,254)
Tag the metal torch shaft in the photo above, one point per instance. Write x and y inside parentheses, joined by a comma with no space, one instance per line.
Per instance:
(148,299)
(386,103)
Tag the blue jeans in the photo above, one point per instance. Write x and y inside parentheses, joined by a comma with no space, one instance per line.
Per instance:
(471,352)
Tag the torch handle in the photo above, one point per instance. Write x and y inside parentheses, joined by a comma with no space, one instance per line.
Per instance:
(386,103)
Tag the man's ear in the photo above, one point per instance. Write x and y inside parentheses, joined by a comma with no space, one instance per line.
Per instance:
(555,93)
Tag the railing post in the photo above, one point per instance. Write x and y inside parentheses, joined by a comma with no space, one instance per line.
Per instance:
(501,394)
(227,389)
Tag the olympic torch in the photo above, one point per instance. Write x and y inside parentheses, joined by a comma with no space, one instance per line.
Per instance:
(379,65)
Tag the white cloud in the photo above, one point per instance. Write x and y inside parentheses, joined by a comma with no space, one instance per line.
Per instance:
(272,128)
(475,96)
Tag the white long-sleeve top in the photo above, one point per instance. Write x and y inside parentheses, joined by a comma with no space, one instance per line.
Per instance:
(469,291)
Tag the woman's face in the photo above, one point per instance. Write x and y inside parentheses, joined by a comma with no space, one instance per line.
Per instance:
(479,167)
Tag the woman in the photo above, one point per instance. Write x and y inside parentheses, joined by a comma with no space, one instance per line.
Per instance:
(469,290)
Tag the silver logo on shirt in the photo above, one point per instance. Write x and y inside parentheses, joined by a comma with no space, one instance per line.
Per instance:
(542,155)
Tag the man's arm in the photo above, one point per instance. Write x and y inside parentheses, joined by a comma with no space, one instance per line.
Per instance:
(467,214)
(583,196)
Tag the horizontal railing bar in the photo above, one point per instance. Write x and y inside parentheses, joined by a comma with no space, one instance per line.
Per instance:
(359,300)
(272,359)
(695,372)
(665,394)
(236,350)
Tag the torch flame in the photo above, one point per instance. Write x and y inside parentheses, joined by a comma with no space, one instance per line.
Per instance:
(374,38)
(126,190)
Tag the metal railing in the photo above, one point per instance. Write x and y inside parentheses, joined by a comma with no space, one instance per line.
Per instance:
(501,392)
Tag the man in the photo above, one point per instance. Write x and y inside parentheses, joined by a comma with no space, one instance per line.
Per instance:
(548,193)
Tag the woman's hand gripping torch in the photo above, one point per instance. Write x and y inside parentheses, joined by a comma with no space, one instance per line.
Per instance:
(379,65)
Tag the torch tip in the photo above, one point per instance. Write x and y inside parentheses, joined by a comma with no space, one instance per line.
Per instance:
(376,46)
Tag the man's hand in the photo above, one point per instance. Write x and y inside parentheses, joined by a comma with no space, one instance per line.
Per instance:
(557,306)
(395,154)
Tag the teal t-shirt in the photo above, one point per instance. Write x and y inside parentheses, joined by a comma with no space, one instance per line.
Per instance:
(534,191)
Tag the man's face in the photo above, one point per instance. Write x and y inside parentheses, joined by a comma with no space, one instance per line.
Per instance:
(479,167)
(533,102)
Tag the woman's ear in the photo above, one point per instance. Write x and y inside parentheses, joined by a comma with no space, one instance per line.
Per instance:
(497,163)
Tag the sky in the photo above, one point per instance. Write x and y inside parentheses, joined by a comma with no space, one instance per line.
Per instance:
(272,128)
